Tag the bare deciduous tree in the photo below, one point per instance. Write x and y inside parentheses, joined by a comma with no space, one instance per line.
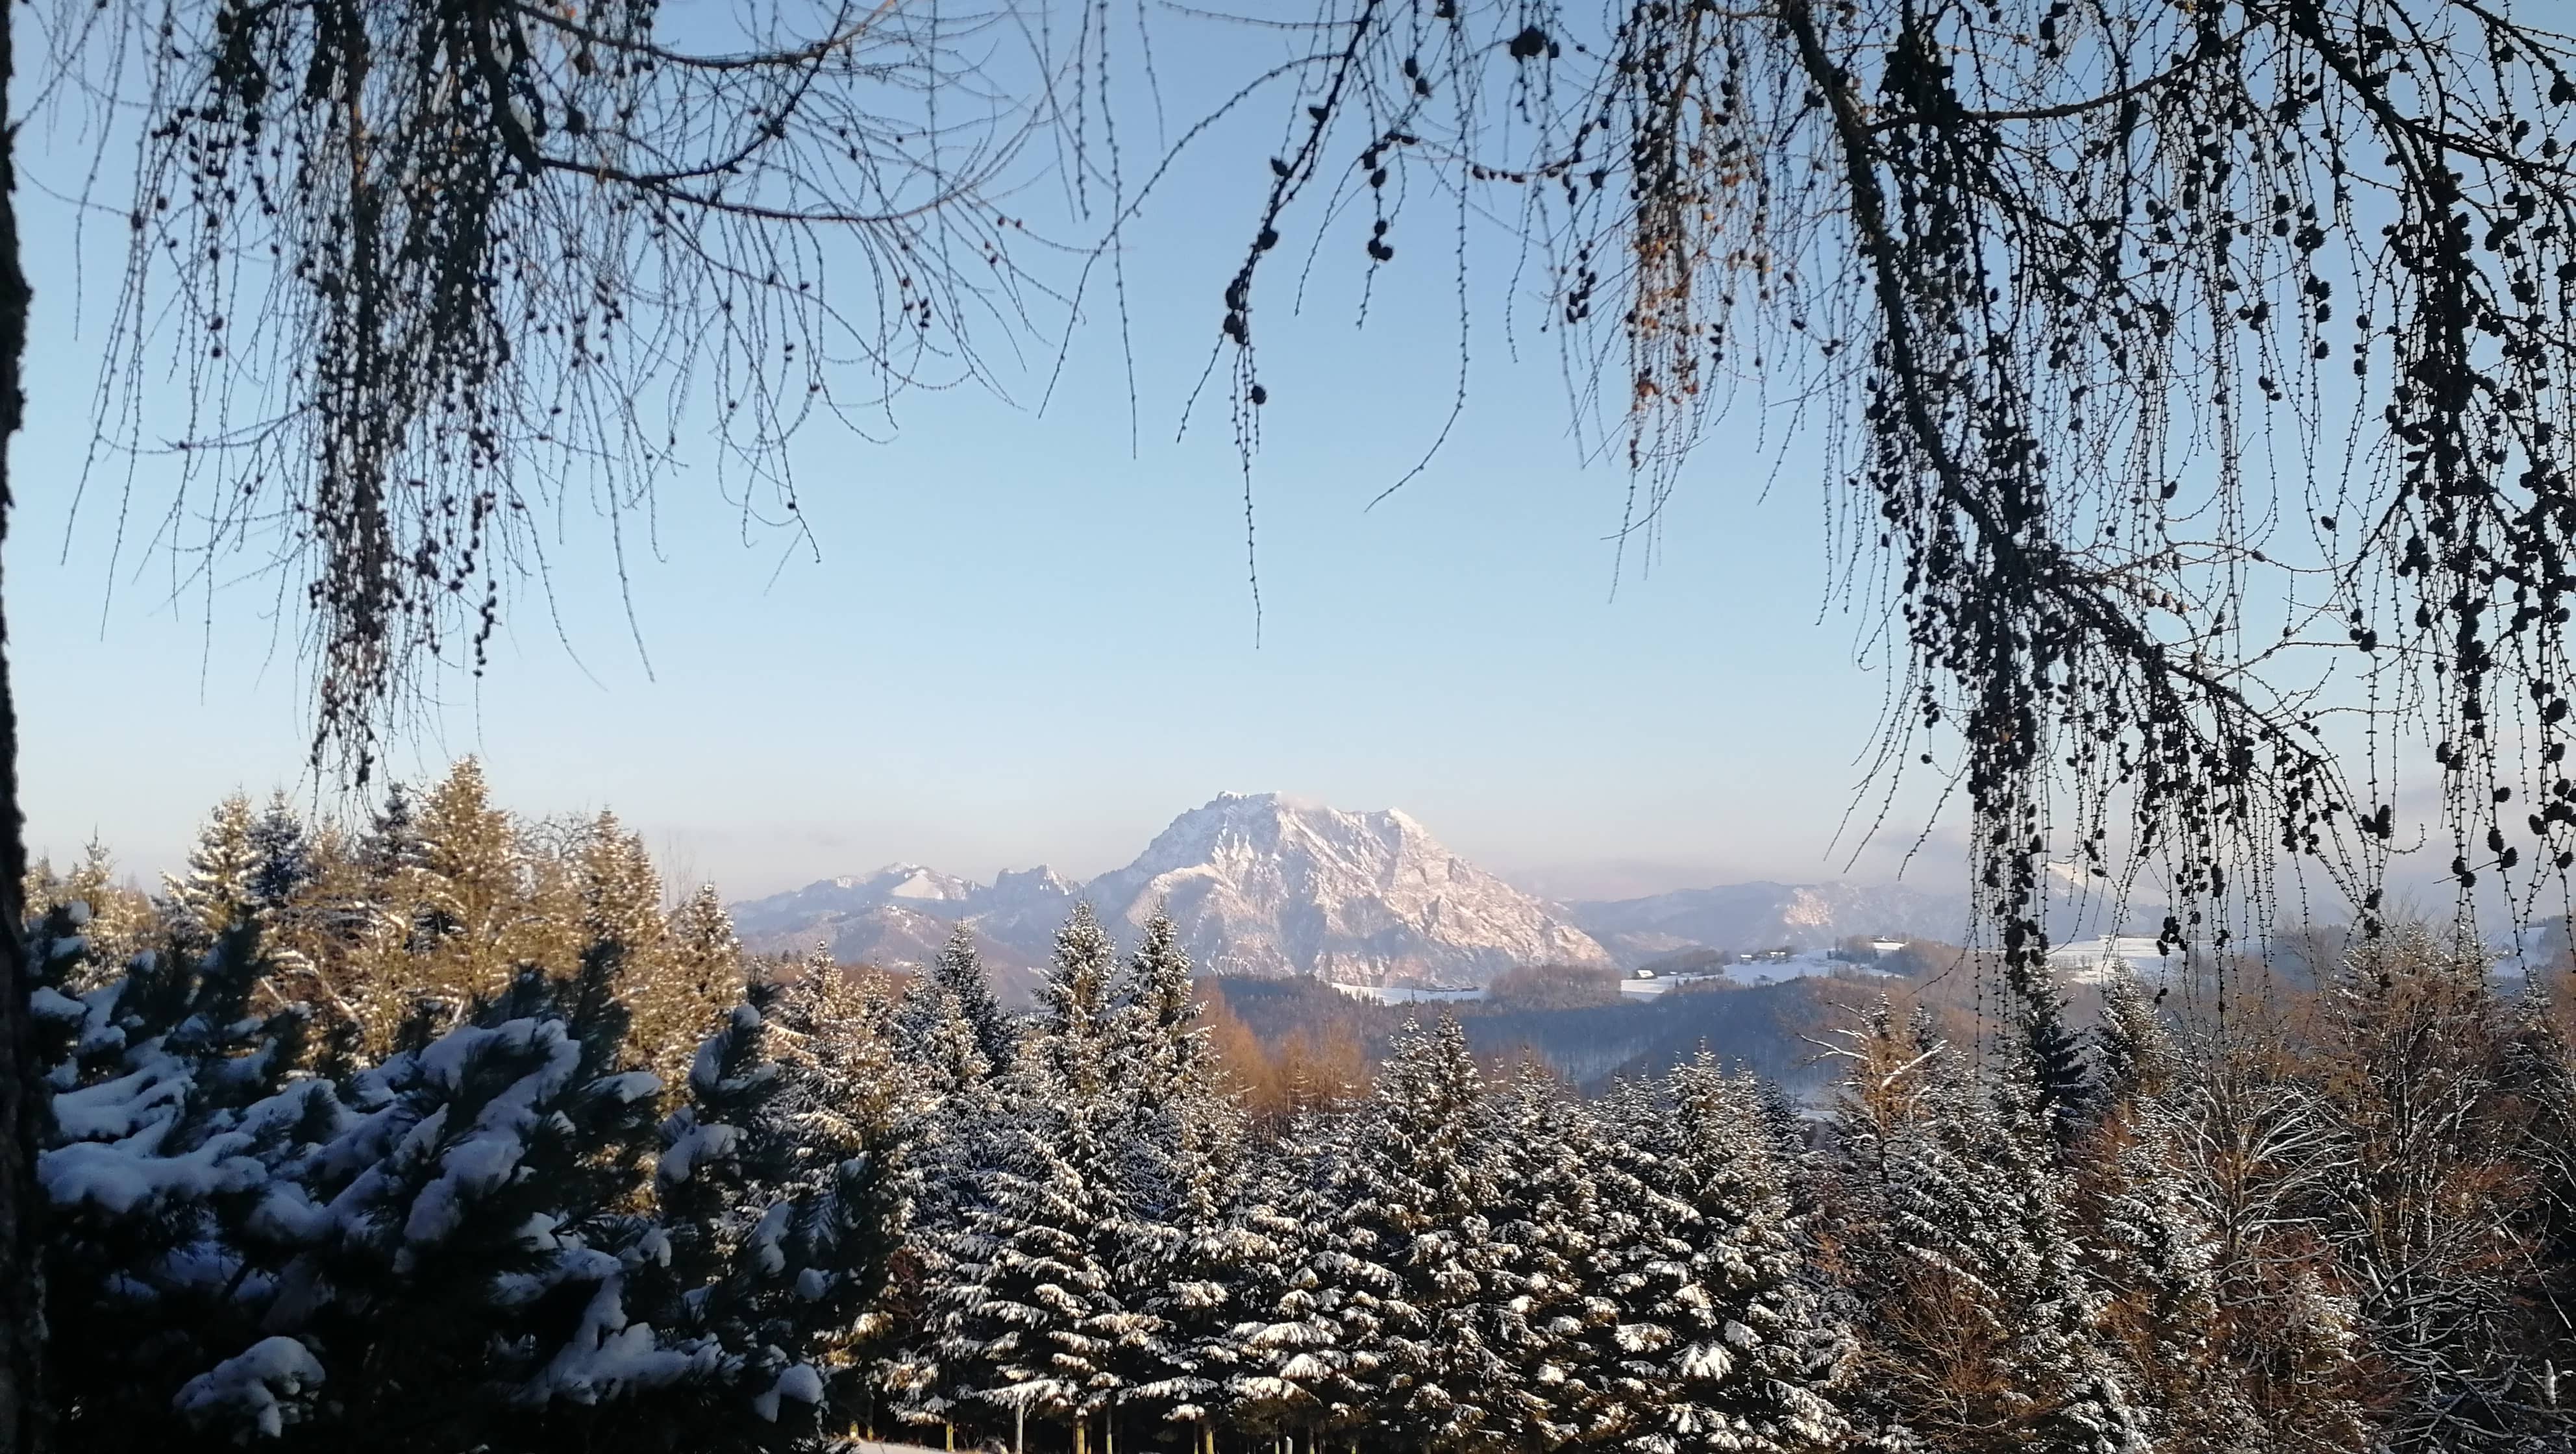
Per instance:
(2195,379)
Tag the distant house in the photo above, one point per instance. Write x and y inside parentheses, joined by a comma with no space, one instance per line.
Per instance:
(1886,947)
(2090,961)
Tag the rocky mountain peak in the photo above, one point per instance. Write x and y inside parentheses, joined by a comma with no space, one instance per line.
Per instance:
(1267,884)
(1260,883)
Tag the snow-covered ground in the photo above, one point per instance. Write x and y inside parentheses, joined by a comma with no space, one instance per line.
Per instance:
(1804,965)
(1395,994)
(2086,961)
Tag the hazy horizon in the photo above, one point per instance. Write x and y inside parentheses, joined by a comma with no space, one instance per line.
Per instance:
(689,856)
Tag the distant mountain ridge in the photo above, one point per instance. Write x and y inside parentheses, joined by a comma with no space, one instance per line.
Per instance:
(1268,885)
(1259,883)
(1763,915)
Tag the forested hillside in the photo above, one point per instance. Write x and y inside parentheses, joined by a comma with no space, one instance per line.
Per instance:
(1765,1028)
(446,1134)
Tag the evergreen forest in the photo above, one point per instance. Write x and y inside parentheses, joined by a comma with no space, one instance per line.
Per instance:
(456,1130)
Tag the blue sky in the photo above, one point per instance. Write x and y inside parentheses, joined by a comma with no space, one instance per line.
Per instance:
(1025,642)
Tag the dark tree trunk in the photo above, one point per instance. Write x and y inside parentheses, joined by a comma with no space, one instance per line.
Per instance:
(22,1405)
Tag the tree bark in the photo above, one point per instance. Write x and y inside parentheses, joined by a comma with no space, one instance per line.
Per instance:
(22,1319)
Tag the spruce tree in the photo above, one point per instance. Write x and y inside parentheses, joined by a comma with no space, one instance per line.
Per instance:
(1292,1371)
(838,1036)
(392,840)
(2133,1052)
(445,883)
(120,923)
(281,854)
(774,1230)
(1184,1248)
(1029,1319)
(1162,1008)
(218,891)
(171,1112)
(2054,1065)
(469,850)
(447,1250)
(960,970)
(1642,1252)
(699,972)
(1549,1307)
(2158,1259)
(1978,1324)
(1080,1012)
(394,1243)
(620,897)
(947,1117)
(1423,1262)
(1754,1356)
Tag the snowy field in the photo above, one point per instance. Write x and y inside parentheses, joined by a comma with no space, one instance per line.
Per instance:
(1807,965)
(1394,994)
(2088,961)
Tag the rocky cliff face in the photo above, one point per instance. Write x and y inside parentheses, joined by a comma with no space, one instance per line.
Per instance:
(1264,884)
(1260,884)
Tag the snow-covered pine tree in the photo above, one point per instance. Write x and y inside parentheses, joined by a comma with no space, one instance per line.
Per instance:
(946,1116)
(470,851)
(778,1226)
(2157,1259)
(167,1114)
(1641,1257)
(849,1090)
(1976,1324)
(1184,1250)
(698,974)
(935,1043)
(120,921)
(385,1233)
(392,840)
(1422,1264)
(281,854)
(836,1033)
(444,882)
(2430,1215)
(446,1251)
(1161,1011)
(1547,1314)
(2258,1157)
(1080,1013)
(959,968)
(2054,1064)
(1292,1376)
(1028,1317)
(1754,1358)
(464,1249)
(2134,1054)
(621,898)
(217,891)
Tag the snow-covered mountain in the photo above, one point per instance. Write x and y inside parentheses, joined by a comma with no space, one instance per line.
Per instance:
(1264,884)
(1259,884)
(908,885)
(897,916)
(1757,916)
